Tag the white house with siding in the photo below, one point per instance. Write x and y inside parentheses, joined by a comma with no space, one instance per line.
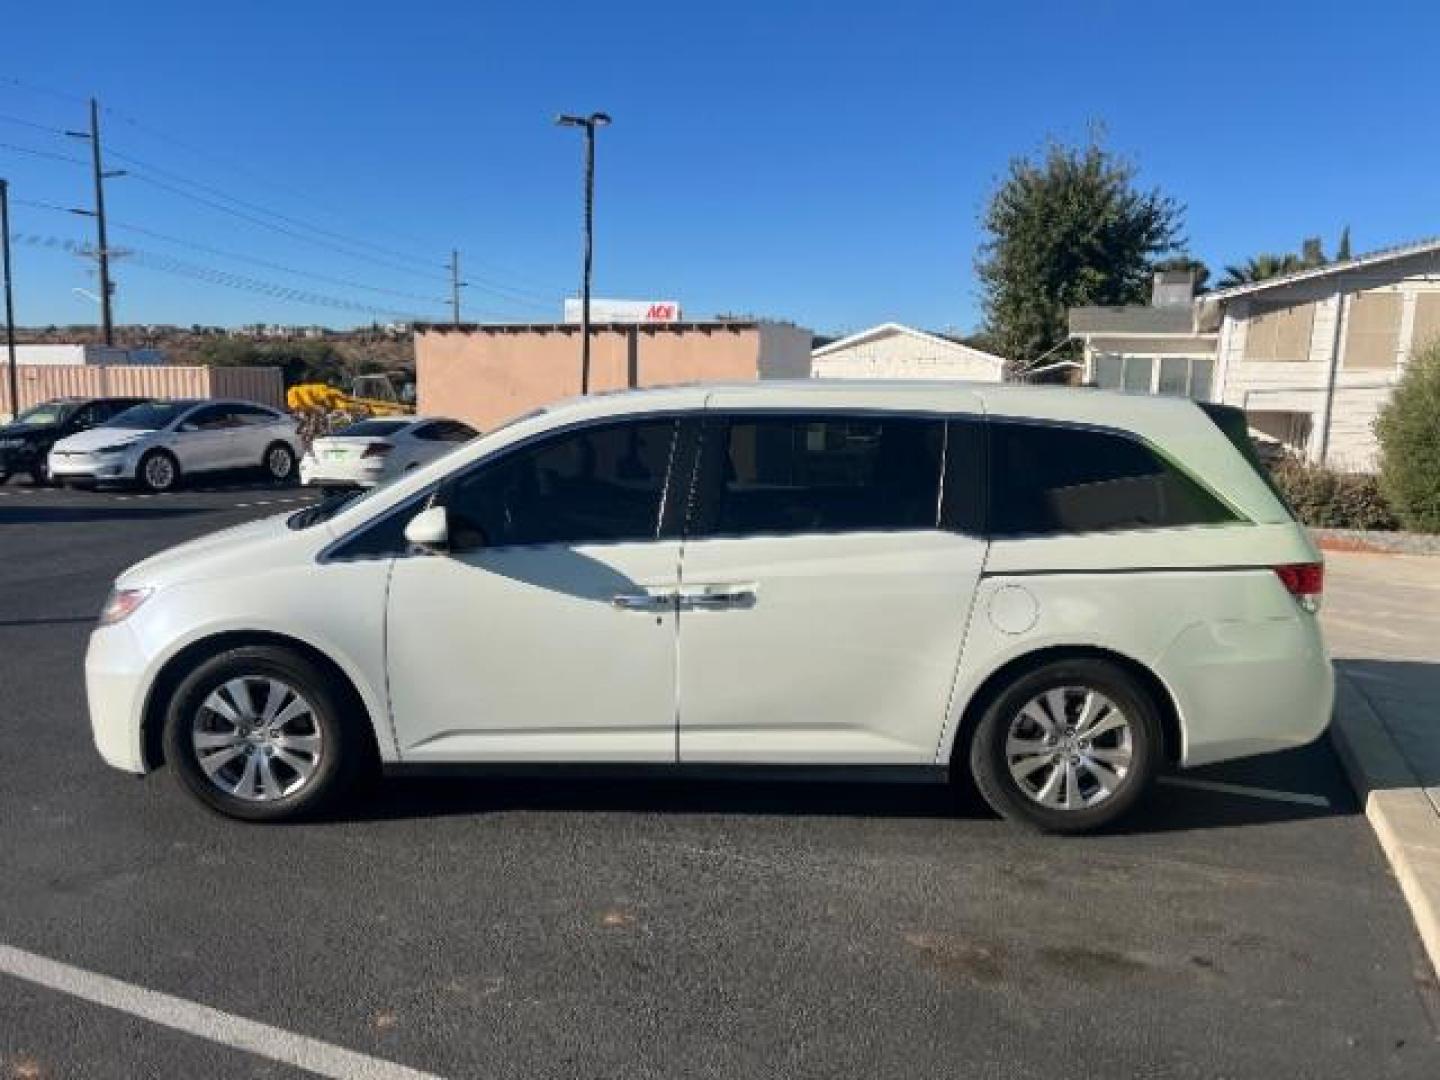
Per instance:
(893,351)
(1310,356)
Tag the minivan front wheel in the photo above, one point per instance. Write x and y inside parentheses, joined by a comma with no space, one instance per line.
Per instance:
(257,733)
(1067,747)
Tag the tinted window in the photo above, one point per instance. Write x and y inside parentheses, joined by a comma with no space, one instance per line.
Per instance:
(151,416)
(597,485)
(374,427)
(1057,479)
(253,414)
(805,474)
(212,418)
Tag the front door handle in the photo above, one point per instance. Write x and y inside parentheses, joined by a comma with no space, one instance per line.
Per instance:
(642,601)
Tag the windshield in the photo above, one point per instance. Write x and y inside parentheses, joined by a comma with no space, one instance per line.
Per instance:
(49,412)
(151,416)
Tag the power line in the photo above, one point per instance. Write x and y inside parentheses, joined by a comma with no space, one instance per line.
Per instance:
(196,271)
(334,240)
(22,122)
(42,153)
(216,192)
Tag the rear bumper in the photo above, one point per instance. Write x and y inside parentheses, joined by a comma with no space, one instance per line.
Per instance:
(115,680)
(354,474)
(1249,687)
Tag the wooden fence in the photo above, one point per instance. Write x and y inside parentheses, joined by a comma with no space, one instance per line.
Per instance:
(41,382)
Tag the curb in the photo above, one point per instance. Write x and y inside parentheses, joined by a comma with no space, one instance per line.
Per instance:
(1395,802)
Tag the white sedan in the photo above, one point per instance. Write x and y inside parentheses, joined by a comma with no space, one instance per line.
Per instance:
(157,443)
(373,451)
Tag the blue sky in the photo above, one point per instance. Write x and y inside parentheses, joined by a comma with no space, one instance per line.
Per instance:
(825,163)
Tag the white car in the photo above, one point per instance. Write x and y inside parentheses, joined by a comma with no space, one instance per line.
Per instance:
(160,442)
(372,451)
(1051,593)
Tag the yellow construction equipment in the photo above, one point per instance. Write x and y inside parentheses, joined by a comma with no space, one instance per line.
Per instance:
(323,398)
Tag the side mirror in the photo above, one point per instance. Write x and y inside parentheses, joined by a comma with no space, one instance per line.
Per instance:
(429,530)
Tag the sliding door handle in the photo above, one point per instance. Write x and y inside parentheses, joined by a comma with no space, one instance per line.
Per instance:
(719,598)
(642,601)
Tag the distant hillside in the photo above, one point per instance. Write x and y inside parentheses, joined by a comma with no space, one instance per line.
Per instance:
(329,355)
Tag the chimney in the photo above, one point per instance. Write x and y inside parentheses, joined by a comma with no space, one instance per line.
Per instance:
(1172,289)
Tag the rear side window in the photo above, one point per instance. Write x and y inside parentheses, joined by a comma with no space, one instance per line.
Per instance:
(1050,479)
(820,474)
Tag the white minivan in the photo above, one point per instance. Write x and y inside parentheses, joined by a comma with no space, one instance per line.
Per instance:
(1052,593)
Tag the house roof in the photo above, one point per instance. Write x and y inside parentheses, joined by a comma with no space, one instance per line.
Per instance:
(889,328)
(1134,319)
(1374,258)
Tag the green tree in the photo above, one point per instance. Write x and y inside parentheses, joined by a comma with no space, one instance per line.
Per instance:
(1067,228)
(1342,249)
(299,361)
(1409,431)
(1260,268)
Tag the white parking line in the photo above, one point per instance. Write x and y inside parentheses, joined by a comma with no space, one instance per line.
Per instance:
(1299,797)
(262,1040)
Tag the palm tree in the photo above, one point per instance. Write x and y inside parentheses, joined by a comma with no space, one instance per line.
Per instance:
(1260,268)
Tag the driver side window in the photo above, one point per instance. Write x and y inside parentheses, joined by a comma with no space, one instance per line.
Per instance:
(596,485)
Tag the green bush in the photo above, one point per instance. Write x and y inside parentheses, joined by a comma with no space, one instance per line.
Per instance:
(1409,431)
(1327,499)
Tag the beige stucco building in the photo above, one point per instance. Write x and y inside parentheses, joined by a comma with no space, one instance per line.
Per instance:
(1310,356)
(488,373)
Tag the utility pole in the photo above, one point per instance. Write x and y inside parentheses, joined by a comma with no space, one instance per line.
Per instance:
(102,252)
(455,286)
(9,298)
(589,123)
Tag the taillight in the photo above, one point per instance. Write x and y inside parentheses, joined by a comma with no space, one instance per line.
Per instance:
(377,449)
(1304,581)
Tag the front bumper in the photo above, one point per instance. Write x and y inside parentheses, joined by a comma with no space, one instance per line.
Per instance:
(86,466)
(115,681)
(19,459)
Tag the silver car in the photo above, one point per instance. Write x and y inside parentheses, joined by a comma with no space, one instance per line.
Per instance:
(157,443)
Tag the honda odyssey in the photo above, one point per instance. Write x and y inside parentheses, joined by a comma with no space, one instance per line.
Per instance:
(1051,593)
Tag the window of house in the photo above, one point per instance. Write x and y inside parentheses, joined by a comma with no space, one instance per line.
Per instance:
(598,485)
(1202,377)
(1050,479)
(1279,332)
(808,474)
(1138,372)
(1174,376)
(1372,329)
(1109,369)
(1427,321)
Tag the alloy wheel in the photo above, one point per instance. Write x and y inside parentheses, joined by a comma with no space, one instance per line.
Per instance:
(1069,748)
(257,739)
(279,461)
(159,472)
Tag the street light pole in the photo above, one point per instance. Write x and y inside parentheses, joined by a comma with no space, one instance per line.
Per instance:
(589,123)
(9,298)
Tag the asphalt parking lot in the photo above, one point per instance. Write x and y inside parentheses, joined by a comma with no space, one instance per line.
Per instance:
(1245,925)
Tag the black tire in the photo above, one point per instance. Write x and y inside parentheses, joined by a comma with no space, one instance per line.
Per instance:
(342,753)
(151,475)
(990,760)
(278,462)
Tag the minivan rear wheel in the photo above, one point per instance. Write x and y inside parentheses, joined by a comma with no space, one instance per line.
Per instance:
(1067,747)
(258,733)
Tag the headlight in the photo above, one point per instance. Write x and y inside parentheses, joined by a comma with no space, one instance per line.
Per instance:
(113,449)
(121,604)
